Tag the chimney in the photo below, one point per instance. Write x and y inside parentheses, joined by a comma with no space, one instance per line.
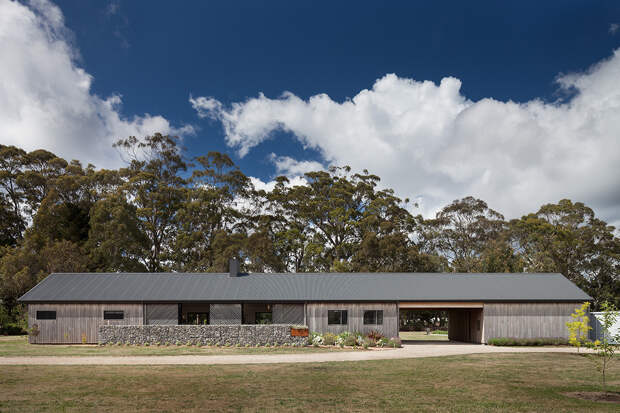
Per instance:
(233,267)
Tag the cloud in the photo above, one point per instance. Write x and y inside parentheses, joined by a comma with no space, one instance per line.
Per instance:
(45,97)
(613,28)
(285,165)
(432,144)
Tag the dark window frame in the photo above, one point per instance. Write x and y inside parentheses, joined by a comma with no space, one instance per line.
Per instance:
(113,314)
(342,319)
(375,320)
(46,314)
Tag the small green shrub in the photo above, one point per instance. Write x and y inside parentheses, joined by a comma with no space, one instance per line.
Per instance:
(350,341)
(329,339)
(382,342)
(370,342)
(317,340)
(541,341)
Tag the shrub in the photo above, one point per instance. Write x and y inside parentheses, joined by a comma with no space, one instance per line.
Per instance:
(370,342)
(317,340)
(375,335)
(13,329)
(382,342)
(311,336)
(395,342)
(350,341)
(329,339)
(541,341)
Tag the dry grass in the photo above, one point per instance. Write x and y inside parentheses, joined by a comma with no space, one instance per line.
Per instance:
(16,346)
(507,382)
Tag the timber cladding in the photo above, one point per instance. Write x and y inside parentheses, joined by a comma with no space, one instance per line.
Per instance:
(527,320)
(78,323)
(316,318)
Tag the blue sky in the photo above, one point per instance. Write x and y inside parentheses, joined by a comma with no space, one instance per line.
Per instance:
(154,55)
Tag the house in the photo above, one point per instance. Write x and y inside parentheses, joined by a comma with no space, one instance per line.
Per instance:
(72,307)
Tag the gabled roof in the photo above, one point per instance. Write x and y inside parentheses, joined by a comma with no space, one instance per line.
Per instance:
(211,287)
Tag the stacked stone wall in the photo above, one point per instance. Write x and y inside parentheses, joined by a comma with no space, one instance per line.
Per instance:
(203,335)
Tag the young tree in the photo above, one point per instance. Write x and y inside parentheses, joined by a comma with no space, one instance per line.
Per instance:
(606,347)
(578,328)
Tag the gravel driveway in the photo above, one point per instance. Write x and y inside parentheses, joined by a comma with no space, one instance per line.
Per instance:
(408,351)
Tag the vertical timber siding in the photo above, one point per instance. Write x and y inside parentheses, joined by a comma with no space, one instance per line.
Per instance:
(162,314)
(76,320)
(316,318)
(527,320)
(288,314)
(225,314)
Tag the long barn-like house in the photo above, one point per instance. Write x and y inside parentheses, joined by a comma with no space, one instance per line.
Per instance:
(72,307)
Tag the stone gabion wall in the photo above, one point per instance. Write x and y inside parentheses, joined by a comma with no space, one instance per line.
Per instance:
(203,335)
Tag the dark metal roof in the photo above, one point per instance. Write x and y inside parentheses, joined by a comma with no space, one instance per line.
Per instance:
(177,287)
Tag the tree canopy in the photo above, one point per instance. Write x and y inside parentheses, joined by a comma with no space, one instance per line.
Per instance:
(165,212)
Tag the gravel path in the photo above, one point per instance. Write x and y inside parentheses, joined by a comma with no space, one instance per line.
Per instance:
(408,351)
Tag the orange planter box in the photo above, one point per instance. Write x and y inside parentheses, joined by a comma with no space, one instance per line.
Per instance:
(299,332)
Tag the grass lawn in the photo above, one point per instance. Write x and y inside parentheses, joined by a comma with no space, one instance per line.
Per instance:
(422,336)
(506,382)
(16,346)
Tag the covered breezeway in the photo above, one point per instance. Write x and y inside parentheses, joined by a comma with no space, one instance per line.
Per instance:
(464,319)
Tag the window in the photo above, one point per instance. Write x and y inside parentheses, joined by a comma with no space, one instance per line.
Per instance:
(197,318)
(46,315)
(373,317)
(336,316)
(113,315)
(262,318)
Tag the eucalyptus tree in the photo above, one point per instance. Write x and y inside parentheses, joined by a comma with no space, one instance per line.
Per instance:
(568,238)
(155,185)
(211,220)
(463,231)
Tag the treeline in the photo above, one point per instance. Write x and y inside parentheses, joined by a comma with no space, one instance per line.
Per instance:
(164,212)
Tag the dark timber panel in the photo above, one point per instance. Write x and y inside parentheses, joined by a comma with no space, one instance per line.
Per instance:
(288,314)
(77,323)
(162,314)
(527,320)
(316,317)
(225,314)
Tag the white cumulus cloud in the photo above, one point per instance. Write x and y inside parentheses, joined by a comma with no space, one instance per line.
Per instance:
(45,96)
(432,144)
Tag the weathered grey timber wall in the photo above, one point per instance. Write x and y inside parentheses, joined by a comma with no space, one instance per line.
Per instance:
(288,313)
(527,320)
(162,314)
(75,321)
(316,318)
(225,314)
(200,334)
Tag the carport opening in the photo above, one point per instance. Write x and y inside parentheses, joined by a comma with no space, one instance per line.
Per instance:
(440,325)
(423,325)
